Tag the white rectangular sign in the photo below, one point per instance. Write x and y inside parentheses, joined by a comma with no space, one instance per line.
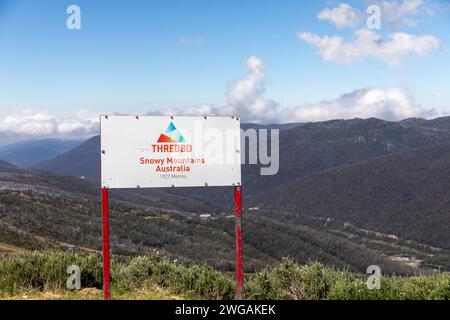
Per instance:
(163,151)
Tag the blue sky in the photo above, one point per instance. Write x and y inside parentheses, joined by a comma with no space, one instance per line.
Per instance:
(146,56)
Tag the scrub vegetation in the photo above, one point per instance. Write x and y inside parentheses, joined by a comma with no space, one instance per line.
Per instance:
(43,275)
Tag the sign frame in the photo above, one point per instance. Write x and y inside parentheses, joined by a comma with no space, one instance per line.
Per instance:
(237,187)
(191,152)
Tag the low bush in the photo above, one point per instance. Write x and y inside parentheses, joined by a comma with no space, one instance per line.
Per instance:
(200,281)
(48,271)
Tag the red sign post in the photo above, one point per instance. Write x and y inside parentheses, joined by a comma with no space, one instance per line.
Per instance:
(106,260)
(238,241)
(237,249)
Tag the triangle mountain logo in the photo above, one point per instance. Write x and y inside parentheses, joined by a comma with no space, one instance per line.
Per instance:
(171,135)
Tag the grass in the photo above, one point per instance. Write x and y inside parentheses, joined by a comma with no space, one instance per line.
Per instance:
(42,275)
(150,293)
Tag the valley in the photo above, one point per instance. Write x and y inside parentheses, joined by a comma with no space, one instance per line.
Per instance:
(350,193)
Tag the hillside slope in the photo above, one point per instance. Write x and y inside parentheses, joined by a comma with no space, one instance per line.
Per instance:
(27,153)
(304,149)
(8,167)
(313,147)
(404,194)
(84,160)
(39,215)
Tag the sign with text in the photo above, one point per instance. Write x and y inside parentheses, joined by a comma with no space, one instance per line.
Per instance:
(163,151)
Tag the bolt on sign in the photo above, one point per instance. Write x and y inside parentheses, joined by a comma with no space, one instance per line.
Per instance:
(158,151)
(162,152)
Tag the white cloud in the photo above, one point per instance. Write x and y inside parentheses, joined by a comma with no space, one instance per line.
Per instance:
(201,110)
(396,13)
(245,97)
(383,103)
(191,41)
(33,123)
(368,43)
(343,16)
(403,13)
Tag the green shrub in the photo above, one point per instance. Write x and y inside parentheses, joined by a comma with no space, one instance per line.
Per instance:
(394,288)
(287,280)
(48,271)
(315,281)
(291,281)
(201,281)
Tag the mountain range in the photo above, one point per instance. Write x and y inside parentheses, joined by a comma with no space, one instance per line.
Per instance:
(377,184)
(29,152)
(40,210)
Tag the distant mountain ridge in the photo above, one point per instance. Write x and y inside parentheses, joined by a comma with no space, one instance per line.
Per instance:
(308,148)
(304,148)
(27,153)
(7,167)
(319,161)
(84,160)
(81,161)
(317,146)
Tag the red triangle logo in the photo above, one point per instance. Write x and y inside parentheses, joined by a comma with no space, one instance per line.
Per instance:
(164,139)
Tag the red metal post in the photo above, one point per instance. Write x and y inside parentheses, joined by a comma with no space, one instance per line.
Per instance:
(106,262)
(238,241)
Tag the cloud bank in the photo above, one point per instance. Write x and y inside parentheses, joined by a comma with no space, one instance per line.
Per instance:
(404,13)
(245,97)
(391,48)
(33,123)
(369,44)
(397,14)
(391,103)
